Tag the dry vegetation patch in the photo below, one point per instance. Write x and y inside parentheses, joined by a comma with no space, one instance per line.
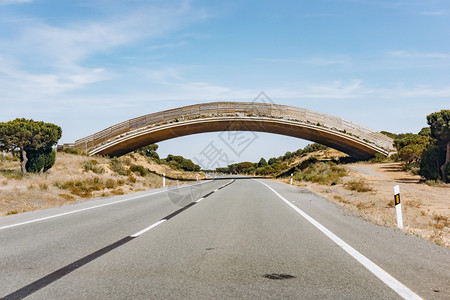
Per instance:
(74,178)
(367,191)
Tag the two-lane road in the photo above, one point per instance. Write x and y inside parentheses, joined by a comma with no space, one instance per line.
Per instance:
(231,240)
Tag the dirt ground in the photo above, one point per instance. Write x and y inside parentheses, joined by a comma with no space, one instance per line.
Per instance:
(40,191)
(425,208)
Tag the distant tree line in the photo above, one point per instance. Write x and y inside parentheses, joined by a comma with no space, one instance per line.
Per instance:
(175,161)
(32,142)
(272,166)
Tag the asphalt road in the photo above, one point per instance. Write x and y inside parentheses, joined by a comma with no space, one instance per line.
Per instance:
(227,238)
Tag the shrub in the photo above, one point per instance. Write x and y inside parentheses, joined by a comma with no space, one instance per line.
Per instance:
(92,165)
(13,174)
(118,167)
(432,158)
(181,163)
(379,158)
(358,185)
(84,188)
(71,151)
(139,170)
(150,152)
(324,173)
(40,160)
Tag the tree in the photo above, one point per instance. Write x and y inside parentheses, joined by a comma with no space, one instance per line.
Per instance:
(411,146)
(431,161)
(40,160)
(150,151)
(440,130)
(272,160)
(262,162)
(23,137)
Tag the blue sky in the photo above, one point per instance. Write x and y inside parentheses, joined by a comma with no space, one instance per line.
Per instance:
(86,65)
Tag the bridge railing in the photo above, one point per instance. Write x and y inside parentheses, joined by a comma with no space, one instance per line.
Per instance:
(249,109)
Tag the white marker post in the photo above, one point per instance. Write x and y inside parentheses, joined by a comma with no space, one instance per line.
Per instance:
(197,177)
(398,206)
(164,179)
(292,177)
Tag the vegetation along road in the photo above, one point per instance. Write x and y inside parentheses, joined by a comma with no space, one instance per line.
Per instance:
(225,238)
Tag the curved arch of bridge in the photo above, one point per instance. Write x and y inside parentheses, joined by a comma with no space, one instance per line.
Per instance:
(348,137)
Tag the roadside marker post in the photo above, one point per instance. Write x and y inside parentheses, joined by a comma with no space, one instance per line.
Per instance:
(292,177)
(164,179)
(398,206)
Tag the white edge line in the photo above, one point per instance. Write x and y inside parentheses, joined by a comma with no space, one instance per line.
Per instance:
(148,228)
(92,207)
(388,279)
(199,200)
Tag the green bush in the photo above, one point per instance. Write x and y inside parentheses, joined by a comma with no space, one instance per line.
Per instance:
(71,151)
(181,163)
(379,158)
(118,167)
(139,170)
(324,173)
(92,165)
(432,159)
(40,160)
(150,152)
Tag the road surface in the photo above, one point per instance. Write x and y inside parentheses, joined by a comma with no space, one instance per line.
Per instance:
(219,239)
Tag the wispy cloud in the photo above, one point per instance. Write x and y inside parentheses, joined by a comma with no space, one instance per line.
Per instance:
(6,2)
(317,61)
(419,55)
(435,13)
(46,59)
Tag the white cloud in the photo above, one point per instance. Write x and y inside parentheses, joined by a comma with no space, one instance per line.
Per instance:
(435,13)
(419,55)
(45,59)
(316,61)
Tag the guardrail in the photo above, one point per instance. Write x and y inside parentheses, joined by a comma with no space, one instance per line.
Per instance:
(249,109)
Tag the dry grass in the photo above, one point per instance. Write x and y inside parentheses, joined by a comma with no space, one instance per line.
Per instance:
(368,193)
(74,178)
(359,186)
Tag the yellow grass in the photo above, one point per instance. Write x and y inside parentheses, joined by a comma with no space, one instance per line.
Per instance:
(72,179)
(367,191)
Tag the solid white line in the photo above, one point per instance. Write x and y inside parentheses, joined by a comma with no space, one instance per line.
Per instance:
(390,281)
(199,200)
(92,207)
(148,228)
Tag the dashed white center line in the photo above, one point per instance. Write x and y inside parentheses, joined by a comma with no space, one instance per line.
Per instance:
(148,228)
(199,200)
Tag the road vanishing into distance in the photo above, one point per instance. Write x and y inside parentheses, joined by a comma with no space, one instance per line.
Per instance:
(226,238)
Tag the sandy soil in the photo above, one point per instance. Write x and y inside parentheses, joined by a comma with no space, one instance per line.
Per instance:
(40,191)
(425,208)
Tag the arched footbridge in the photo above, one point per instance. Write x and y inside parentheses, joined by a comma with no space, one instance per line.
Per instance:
(346,136)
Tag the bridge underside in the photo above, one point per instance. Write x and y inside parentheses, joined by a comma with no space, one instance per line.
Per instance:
(136,139)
